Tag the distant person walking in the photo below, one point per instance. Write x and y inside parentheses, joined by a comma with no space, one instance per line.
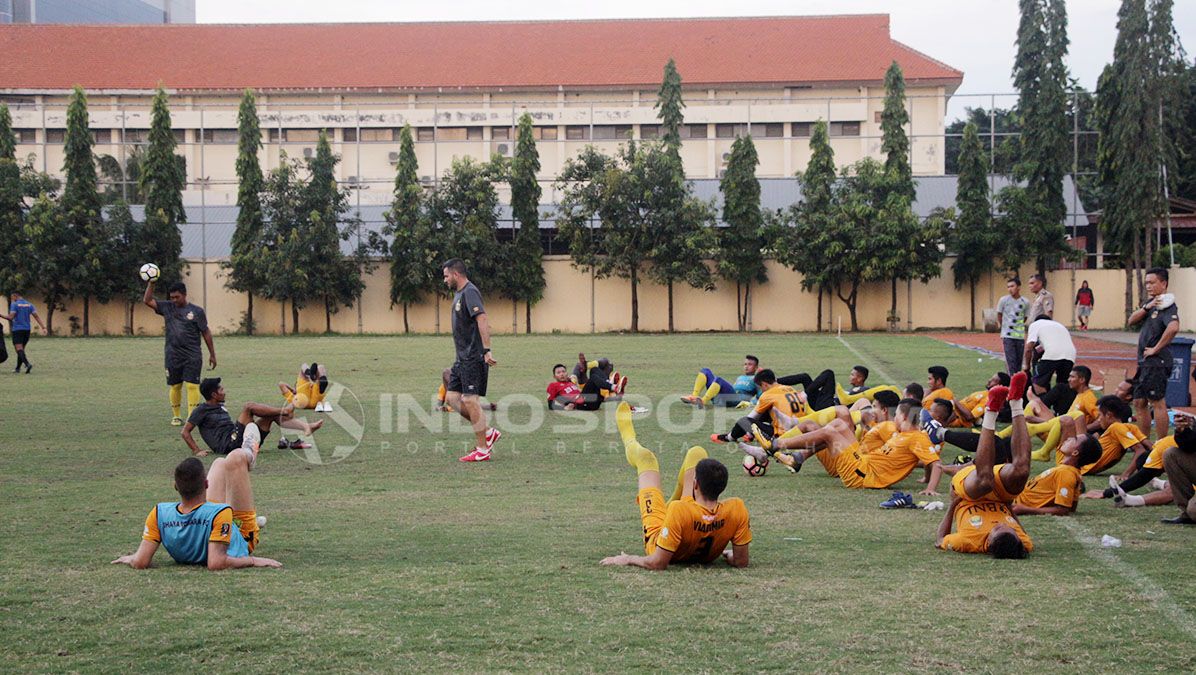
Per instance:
(1011,313)
(1044,301)
(1084,302)
(1160,322)
(20,311)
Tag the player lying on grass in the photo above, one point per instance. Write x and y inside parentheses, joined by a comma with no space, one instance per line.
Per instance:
(563,392)
(599,382)
(311,385)
(214,524)
(1054,492)
(881,468)
(1070,397)
(710,389)
(822,391)
(1149,472)
(969,409)
(442,394)
(693,526)
(982,492)
(221,434)
(774,398)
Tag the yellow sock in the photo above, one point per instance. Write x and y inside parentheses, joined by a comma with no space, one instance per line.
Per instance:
(623,421)
(822,417)
(193,397)
(696,454)
(441,393)
(711,393)
(699,383)
(176,398)
(640,457)
(848,399)
(590,365)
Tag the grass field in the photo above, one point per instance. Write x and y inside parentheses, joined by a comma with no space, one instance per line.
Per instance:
(398,557)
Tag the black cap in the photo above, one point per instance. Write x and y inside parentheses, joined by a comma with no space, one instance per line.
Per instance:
(209,387)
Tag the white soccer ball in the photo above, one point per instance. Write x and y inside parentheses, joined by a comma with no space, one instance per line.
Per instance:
(150,272)
(754,467)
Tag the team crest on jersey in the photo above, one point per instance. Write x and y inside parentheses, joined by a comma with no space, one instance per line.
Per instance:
(707,518)
(1063,491)
(664,533)
(975,521)
(457,307)
(190,316)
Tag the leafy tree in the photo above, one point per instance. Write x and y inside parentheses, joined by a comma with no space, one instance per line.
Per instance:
(1185,174)
(525,267)
(680,224)
(161,179)
(902,231)
(670,107)
(48,261)
(412,251)
(855,251)
(972,239)
(335,279)
(741,242)
(11,204)
(245,268)
(286,251)
(998,127)
(464,212)
(90,274)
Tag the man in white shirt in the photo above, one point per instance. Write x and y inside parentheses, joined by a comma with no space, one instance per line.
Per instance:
(1051,342)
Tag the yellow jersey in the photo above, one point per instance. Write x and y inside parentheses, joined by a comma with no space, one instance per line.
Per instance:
(695,534)
(877,436)
(896,459)
(975,520)
(974,403)
(1155,459)
(1085,403)
(998,494)
(1118,438)
(1058,485)
(941,392)
(783,398)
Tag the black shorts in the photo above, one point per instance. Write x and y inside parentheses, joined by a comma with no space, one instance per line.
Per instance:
(20,337)
(178,372)
(1150,382)
(1045,369)
(469,378)
(236,439)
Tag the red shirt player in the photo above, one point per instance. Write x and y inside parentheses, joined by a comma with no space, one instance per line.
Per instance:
(563,393)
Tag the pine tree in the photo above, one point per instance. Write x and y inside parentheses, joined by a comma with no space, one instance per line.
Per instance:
(161,180)
(412,252)
(740,242)
(245,269)
(464,212)
(80,206)
(972,239)
(902,231)
(11,205)
(679,223)
(326,204)
(525,267)
(286,251)
(669,107)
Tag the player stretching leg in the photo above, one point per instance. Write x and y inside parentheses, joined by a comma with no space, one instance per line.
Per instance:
(471,337)
(692,527)
(982,493)
(222,435)
(214,524)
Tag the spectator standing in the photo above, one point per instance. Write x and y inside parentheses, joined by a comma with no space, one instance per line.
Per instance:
(1160,322)
(1011,313)
(1044,301)
(1084,303)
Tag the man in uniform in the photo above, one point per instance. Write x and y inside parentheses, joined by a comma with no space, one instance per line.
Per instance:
(185,324)
(471,370)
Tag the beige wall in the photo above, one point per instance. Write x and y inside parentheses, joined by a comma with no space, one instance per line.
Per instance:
(571,302)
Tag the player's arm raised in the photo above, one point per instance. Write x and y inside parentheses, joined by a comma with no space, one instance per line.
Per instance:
(218,559)
(186,434)
(142,558)
(148,297)
(659,559)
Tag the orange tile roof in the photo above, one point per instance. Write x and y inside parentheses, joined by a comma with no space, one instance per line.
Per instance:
(761,51)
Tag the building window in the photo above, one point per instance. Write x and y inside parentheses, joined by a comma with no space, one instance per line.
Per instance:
(473,133)
(844,129)
(221,136)
(649,131)
(301,135)
(577,132)
(25,135)
(425,134)
(451,134)
(607,132)
(370,135)
(877,115)
(500,133)
(56,135)
(730,130)
(768,130)
(801,129)
(101,136)
(693,131)
(546,133)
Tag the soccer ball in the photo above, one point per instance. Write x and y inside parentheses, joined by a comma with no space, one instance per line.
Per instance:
(150,272)
(754,467)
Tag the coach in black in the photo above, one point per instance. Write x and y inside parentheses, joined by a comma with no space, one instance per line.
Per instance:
(1160,323)
(468,376)
(186,323)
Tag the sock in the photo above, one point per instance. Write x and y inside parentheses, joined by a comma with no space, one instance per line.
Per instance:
(1015,407)
(441,393)
(626,427)
(711,393)
(1134,500)
(22,359)
(990,420)
(699,384)
(696,454)
(193,397)
(176,398)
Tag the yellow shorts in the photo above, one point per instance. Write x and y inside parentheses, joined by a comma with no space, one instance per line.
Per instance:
(246,521)
(998,493)
(849,467)
(652,508)
(828,462)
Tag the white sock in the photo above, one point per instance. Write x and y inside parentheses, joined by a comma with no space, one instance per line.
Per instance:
(1015,407)
(990,420)
(1158,483)
(1134,500)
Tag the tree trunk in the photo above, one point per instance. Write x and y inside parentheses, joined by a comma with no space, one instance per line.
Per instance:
(249,317)
(327,316)
(129,306)
(294,318)
(747,303)
(635,304)
(528,322)
(514,317)
(437,297)
(738,307)
(893,308)
(670,285)
(1129,292)
(282,317)
(972,316)
(86,315)
(1138,270)
(818,328)
(406,326)
(50,316)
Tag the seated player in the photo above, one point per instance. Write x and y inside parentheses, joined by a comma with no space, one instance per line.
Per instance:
(442,393)
(692,527)
(1065,398)
(310,387)
(563,392)
(971,407)
(221,434)
(982,492)
(873,426)
(1117,437)
(1149,472)
(774,398)
(583,369)
(881,468)
(822,391)
(936,379)
(601,383)
(709,389)
(214,524)
(1053,492)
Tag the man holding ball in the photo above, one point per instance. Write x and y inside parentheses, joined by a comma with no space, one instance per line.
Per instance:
(185,323)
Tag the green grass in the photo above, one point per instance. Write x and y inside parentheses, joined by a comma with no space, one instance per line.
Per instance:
(400,558)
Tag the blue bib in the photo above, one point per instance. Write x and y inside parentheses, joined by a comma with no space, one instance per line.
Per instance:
(746,385)
(185,536)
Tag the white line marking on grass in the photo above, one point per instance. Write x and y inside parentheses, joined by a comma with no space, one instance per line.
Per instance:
(1143,585)
(867,361)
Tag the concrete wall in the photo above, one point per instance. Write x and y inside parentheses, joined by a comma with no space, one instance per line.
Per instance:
(573,303)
